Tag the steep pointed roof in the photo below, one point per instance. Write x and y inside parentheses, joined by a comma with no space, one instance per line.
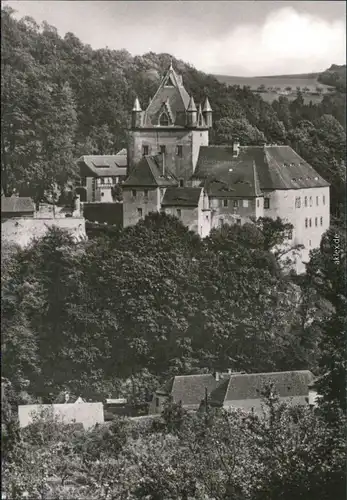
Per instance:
(207,105)
(171,89)
(137,106)
(191,105)
(147,173)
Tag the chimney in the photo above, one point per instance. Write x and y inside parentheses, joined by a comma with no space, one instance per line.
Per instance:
(236,148)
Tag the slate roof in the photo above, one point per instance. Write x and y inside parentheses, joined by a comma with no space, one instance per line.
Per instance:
(189,389)
(255,168)
(176,95)
(249,386)
(148,172)
(16,204)
(181,197)
(104,165)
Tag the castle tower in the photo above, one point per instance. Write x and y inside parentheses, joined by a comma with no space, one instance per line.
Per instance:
(136,115)
(207,113)
(192,113)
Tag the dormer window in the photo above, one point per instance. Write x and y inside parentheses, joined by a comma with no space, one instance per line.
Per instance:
(164,120)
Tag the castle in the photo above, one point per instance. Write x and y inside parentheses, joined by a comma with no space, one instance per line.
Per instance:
(172,168)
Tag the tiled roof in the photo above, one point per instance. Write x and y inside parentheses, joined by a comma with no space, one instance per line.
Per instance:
(260,167)
(148,173)
(103,165)
(190,389)
(249,386)
(16,204)
(181,197)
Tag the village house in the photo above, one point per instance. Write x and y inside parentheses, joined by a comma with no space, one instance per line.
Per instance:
(169,157)
(16,207)
(234,390)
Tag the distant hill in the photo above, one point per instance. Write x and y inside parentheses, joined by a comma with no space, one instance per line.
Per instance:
(334,76)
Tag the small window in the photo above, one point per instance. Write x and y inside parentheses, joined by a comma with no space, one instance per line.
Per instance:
(235,203)
(102,194)
(306,222)
(163,149)
(206,217)
(146,194)
(164,120)
(316,221)
(258,203)
(311,202)
(133,192)
(139,212)
(145,150)
(245,203)
(305,201)
(238,222)
(161,193)
(225,203)
(290,234)
(310,222)
(181,183)
(323,200)
(157,402)
(298,202)
(83,181)
(309,243)
(102,180)
(179,213)
(179,151)
(266,202)
(317,200)
(321,221)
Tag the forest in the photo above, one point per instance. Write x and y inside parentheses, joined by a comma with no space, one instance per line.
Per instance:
(62,99)
(118,314)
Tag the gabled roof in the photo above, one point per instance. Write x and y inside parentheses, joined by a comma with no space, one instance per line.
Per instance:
(189,389)
(181,197)
(264,167)
(249,386)
(174,93)
(103,165)
(16,204)
(148,173)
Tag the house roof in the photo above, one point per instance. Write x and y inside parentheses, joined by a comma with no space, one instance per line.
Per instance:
(249,386)
(181,197)
(255,168)
(189,389)
(172,91)
(148,172)
(16,204)
(103,165)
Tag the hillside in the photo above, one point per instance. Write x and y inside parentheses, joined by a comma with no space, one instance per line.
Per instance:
(73,100)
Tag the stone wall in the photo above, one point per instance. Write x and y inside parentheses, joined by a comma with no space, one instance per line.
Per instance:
(88,414)
(23,230)
(131,204)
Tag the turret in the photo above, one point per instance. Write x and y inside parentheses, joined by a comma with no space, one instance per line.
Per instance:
(192,113)
(136,115)
(207,113)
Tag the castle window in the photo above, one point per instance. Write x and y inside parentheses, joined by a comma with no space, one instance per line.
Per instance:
(317,201)
(245,203)
(321,221)
(316,221)
(181,183)
(306,222)
(225,203)
(179,151)
(238,222)
(298,202)
(310,222)
(164,120)
(133,192)
(266,202)
(157,402)
(145,150)
(102,180)
(258,203)
(83,181)
(309,243)
(305,201)
(139,212)
(163,149)
(323,200)
(235,203)
(102,194)
(311,201)
(179,213)
(146,194)
(290,234)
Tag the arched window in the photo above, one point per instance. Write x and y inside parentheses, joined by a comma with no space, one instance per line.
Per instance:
(164,120)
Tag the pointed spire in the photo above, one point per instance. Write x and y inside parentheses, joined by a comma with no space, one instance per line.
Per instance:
(207,105)
(137,106)
(191,105)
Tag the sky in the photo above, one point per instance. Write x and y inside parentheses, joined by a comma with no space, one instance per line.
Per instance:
(238,38)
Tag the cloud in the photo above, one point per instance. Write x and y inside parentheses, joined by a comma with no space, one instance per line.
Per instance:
(287,42)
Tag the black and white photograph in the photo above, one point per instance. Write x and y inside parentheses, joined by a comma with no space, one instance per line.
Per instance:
(173,250)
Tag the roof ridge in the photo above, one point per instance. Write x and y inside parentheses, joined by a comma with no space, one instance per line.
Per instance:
(271,373)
